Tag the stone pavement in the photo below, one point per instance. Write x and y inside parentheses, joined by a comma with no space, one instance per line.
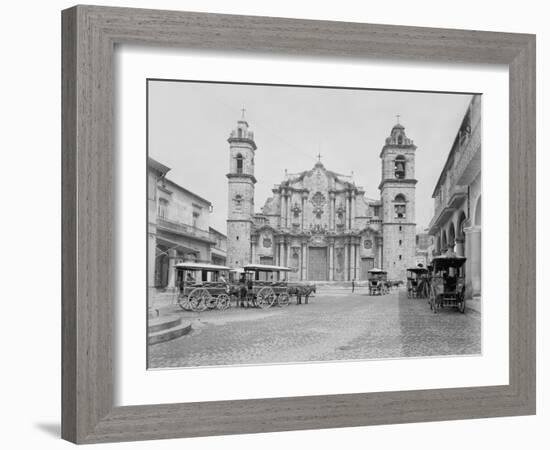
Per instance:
(332,327)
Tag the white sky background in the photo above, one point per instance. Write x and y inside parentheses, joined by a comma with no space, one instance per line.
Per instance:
(189,124)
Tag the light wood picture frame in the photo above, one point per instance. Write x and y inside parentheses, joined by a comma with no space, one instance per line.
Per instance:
(89,36)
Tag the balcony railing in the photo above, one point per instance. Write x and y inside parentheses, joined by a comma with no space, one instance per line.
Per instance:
(187,230)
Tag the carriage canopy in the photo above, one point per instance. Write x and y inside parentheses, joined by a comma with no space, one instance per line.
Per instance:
(417,270)
(200,266)
(376,273)
(440,263)
(266,268)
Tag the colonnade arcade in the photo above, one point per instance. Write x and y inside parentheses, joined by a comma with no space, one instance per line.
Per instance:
(462,236)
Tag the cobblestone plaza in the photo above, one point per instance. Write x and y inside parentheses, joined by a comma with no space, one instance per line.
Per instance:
(333,326)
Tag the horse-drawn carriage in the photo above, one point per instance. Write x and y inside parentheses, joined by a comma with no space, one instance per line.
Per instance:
(265,285)
(377,281)
(417,282)
(447,286)
(202,286)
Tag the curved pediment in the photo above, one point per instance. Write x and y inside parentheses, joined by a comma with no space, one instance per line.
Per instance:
(318,179)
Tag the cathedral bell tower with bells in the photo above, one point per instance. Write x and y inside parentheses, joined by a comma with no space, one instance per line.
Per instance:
(241,183)
(397,192)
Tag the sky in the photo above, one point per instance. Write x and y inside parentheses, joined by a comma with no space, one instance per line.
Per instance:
(189,123)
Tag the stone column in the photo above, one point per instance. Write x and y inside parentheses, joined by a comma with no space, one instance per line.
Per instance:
(357,262)
(288,211)
(380,244)
(275,252)
(352,218)
(330,211)
(304,261)
(303,211)
(287,253)
(348,210)
(333,215)
(283,210)
(331,261)
(172,255)
(353,260)
(253,252)
(473,246)
(346,261)
(459,246)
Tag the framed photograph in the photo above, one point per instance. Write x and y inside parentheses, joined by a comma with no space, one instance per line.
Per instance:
(278,224)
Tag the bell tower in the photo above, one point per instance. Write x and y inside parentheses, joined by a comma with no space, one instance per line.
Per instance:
(241,183)
(397,192)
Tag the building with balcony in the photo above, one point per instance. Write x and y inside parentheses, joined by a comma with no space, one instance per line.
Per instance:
(456,224)
(179,228)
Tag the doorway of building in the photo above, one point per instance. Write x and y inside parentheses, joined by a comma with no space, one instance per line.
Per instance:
(318,264)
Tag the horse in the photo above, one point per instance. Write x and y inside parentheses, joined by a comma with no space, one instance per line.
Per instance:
(301,290)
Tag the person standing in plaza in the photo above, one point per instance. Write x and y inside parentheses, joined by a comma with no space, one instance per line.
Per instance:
(353,286)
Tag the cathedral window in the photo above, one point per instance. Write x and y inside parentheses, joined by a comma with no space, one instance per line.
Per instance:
(400,140)
(399,171)
(239,159)
(400,206)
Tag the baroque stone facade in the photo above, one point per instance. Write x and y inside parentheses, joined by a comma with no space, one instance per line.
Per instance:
(320,223)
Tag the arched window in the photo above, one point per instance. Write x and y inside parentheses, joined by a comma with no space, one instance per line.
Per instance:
(400,140)
(400,206)
(239,158)
(238,202)
(240,132)
(399,167)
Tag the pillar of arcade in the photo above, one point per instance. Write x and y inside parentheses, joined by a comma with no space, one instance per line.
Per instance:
(473,255)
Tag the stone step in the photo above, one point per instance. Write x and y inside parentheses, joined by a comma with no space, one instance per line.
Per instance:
(163,323)
(169,334)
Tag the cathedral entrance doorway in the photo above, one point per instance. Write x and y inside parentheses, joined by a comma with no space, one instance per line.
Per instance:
(318,264)
(366,265)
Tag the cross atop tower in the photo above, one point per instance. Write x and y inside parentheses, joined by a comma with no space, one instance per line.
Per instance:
(243,110)
(398,116)
(319,157)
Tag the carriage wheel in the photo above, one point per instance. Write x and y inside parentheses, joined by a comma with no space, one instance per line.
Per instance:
(199,299)
(223,302)
(265,297)
(283,299)
(183,303)
(211,302)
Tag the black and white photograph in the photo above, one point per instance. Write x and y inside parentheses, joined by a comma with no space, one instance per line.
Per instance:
(299,224)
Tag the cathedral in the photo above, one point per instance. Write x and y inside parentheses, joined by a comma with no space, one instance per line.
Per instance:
(320,223)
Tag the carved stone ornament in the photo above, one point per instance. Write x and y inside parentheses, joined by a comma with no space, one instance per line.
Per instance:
(296,209)
(318,201)
(267,242)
